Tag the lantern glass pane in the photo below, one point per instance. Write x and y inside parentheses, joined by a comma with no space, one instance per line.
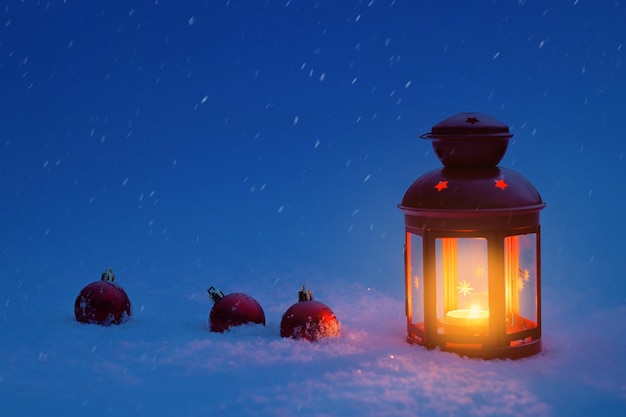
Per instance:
(520,272)
(462,285)
(415,280)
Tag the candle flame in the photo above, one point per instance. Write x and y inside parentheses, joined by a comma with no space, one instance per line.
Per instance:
(474,311)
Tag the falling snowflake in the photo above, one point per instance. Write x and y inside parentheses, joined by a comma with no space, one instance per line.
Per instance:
(464,288)
(479,271)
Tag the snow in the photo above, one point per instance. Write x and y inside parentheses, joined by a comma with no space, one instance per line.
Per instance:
(219,185)
(164,360)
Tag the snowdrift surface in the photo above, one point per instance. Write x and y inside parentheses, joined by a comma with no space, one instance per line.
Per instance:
(164,361)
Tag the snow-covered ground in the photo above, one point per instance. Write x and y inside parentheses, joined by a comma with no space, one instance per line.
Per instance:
(165,361)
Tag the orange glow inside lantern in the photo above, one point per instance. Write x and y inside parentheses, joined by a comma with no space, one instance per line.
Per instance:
(472,251)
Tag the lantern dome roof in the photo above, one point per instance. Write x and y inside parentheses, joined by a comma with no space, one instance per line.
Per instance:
(471,190)
(469,140)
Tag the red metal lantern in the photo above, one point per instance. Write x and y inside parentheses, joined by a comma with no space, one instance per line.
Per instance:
(233,310)
(102,302)
(309,319)
(472,249)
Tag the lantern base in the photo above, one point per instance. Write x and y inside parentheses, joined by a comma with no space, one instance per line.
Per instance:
(517,351)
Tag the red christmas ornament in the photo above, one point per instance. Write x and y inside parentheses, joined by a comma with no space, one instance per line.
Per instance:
(102,302)
(233,310)
(309,319)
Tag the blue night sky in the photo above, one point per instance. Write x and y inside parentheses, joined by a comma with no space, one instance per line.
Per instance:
(188,140)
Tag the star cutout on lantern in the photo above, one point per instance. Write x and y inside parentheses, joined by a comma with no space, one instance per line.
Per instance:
(464,288)
(501,184)
(441,185)
(471,120)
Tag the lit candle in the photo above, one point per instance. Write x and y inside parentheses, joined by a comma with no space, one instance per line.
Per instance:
(469,317)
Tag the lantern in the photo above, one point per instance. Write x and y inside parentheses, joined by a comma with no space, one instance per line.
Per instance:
(472,248)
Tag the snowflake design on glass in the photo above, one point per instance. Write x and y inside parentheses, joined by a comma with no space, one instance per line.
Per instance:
(523,277)
(479,271)
(464,288)
(416,282)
